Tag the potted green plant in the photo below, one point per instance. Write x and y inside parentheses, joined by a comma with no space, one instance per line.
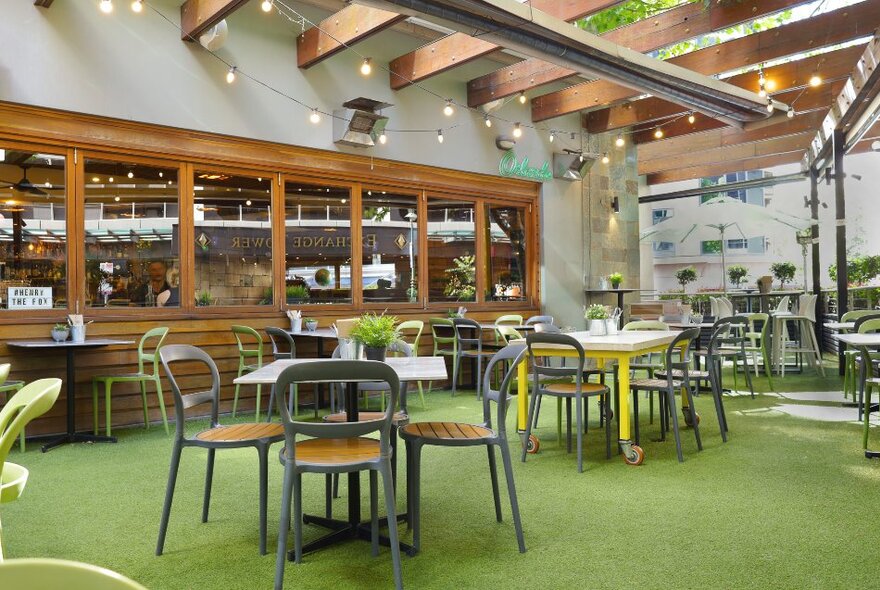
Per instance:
(204,299)
(311,324)
(296,293)
(615,279)
(596,315)
(784,272)
(375,333)
(685,276)
(60,332)
(737,273)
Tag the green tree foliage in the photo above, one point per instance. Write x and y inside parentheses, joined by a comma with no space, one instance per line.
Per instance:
(783,272)
(685,276)
(461,279)
(860,270)
(737,273)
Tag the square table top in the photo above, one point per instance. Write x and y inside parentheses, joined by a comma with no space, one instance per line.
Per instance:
(327,333)
(415,368)
(870,339)
(625,341)
(840,325)
(49,343)
(683,326)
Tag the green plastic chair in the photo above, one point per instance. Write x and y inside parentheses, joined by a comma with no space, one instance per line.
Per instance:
(245,354)
(865,325)
(39,574)
(758,343)
(6,386)
(406,330)
(511,319)
(439,326)
(141,377)
(34,399)
(646,362)
(850,375)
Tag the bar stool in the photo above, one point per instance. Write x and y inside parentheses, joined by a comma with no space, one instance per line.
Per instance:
(805,320)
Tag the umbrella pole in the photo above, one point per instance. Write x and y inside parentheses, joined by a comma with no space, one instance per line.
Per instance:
(723,264)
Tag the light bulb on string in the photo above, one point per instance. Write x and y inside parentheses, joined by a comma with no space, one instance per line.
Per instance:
(620,142)
(692,119)
(137,6)
(517,131)
(488,121)
(552,136)
(106,6)
(366,67)
(266,5)
(116,198)
(383,139)
(315,117)
(130,174)
(815,80)
(659,133)
(790,114)
(522,98)
(770,107)
(605,158)
(248,203)
(230,75)
(440,135)
(762,84)
(448,110)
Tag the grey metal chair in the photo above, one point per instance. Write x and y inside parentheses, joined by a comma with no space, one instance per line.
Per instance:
(283,347)
(548,328)
(729,338)
(396,348)
(337,448)
(539,319)
(458,434)
(259,435)
(469,344)
(579,391)
(676,364)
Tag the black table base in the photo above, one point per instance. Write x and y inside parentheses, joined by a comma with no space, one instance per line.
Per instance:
(76,438)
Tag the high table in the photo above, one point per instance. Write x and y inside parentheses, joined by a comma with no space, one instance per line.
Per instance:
(622,347)
(71,436)
(863,341)
(417,368)
(620,293)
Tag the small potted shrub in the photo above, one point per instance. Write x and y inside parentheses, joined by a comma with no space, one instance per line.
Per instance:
(296,293)
(375,333)
(615,279)
(60,332)
(204,299)
(596,316)
(311,324)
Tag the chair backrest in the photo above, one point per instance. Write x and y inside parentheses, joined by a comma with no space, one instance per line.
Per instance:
(754,318)
(864,318)
(31,574)
(510,319)
(468,334)
(677,356)
(783,304)
(713,306)
(508,333)
(406,330)
(342,371)
(31,401)
(653,325)
(867,325)
(512,354)
(854,315)
(283,346)
(548,328)
(439,326)
(561,342)
(539,319)
(724,332)
(157,334)
(174,353)
(5,368)
(401,348)
(727,306)
(807,306)
(249,340)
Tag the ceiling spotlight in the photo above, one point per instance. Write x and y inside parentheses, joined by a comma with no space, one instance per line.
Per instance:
(137,6)
(620,142)
(315,117)
(517,131)
(116,198)
(130,174)
(552,136)
(366,67)
(106,6)
(692,119)
(487,120)
(230,75)
(383,139)
(522,98)
(440,135)
(815,80)
(448,110)
(790,114)
(605,158)
(659,133)
(266,5)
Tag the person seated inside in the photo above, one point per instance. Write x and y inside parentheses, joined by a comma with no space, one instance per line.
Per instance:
(156,292)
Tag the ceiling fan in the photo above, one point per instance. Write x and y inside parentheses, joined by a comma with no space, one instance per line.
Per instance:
(26,186)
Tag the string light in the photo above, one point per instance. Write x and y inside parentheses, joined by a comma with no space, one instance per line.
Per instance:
(383,139)
(552,136)
(815,80)
(448,110)
(659,133)
(106,6)
(440,135)
(692,119)
(230,75)
(605,158)
(762,83)
(517,131)
(315,117)
(790,113)
(770,107)
(620,142)
(130,174)
(366,67)
(488,121)
(137,6)
(266,5)
(116,198)
(248,203)
(522,98)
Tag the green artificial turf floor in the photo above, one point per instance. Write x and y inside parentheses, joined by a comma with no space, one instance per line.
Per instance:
(786,503)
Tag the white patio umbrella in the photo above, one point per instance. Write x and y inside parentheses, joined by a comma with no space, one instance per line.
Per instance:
(718,219)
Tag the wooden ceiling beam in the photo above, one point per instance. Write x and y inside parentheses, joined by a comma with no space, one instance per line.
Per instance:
(834,65)
(459,48)
(353,23)
(667,28)
(722,168)
(43,3)
(196,16)
(838,26)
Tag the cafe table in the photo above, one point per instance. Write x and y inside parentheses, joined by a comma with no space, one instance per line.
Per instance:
(417,368)
(863,342)
(70,348)
(623,348)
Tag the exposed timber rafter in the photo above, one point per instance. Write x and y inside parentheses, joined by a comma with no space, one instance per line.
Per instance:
(197,16)
(348,26)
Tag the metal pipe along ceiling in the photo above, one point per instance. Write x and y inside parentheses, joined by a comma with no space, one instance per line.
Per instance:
(518,27)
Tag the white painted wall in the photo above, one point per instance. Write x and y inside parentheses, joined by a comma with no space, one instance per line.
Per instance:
(135,67)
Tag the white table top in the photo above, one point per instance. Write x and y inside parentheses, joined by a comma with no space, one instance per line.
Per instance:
(519,328)
(416,368)
(870,339)
(318,333)
(49,343)
(684,326)
(629,341)
(840,325)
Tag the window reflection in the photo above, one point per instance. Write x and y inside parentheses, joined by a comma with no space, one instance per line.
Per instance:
(390,246)
(451,250)
(233,239)
(33,231)
(131,235)
(506,259)
(317,225)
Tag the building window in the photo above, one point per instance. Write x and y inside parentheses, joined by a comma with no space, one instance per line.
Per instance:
(451,250)
(664,249)
(233,239)
(658,215)
(506,260)
(33,230)
(390,251)
(132,224)
(317,228)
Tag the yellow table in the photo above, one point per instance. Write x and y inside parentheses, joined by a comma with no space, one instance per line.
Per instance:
(622,347)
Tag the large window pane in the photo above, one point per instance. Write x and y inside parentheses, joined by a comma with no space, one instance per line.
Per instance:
(451,250)
(33,231)
(506,260)
(317,224)
(131,225)
(233,239)
(390,246)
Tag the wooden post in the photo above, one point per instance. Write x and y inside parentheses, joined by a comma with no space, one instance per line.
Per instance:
(816,268)
(840,220)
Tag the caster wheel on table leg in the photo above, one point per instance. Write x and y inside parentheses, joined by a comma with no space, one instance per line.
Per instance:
(635,455)
(533,444)
(687,419)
